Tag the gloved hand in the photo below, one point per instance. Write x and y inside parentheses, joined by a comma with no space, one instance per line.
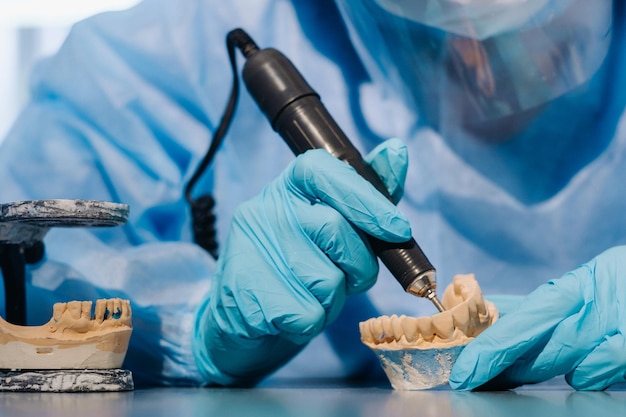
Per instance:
(573,326)
(293,254)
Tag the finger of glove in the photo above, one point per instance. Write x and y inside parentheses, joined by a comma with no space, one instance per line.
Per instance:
(312,243)
(277,277)
(330,258)
(606,364)
(577,335)
(572,339)
(263,299)
(390,160)
(230,358)
(518,333)
(318,176)
(344,246)
(603,367)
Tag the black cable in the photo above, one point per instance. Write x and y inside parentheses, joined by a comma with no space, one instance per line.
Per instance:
(203,218)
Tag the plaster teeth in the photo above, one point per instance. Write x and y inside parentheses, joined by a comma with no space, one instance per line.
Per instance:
(74,308)
(80,312)
(85,312)
(126,312)
(101,306)
(57,311)
(117,309)
(109,311)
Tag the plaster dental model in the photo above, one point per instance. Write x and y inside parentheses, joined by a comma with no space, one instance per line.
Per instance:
(72,339)
(418,352)
(75,351)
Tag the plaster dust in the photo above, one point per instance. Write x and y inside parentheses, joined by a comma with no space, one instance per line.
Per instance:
(418,353)
(72,339)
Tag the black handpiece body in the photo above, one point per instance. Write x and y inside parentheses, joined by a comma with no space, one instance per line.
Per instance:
(296,112)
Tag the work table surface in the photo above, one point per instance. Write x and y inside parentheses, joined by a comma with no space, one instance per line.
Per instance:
(304,398)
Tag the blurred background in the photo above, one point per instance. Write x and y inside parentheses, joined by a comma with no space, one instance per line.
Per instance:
(30,30)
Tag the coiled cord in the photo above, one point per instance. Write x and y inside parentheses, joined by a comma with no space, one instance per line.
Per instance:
(203,217)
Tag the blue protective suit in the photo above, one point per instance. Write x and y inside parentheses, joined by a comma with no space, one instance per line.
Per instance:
(125,111)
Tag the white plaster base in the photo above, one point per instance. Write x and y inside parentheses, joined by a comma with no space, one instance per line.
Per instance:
(418,369)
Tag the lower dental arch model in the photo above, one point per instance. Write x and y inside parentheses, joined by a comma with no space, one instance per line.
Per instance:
(467,315)
(72,339)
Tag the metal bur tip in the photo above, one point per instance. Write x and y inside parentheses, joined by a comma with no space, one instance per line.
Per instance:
(433,297)
(424,286)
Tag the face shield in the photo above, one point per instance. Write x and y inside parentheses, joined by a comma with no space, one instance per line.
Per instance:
(471,64)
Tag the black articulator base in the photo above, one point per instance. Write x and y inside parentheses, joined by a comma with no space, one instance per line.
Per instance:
(66,380)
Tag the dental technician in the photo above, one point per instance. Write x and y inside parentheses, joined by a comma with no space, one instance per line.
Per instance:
(498,127)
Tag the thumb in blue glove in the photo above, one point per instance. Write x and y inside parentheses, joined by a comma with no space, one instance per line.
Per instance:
(292,255)
(572,326)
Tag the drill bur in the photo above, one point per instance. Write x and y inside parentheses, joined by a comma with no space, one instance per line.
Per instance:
(432,296)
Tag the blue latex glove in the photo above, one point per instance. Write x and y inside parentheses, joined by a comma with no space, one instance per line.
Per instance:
(292,256)
(572,326)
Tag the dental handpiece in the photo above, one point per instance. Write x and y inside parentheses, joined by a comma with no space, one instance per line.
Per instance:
(296,112)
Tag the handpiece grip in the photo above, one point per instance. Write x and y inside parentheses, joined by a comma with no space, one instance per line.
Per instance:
(296,112)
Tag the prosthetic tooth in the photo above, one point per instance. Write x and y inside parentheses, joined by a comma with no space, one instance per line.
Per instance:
(75,309)
(463,285)
(443,324)
(473,312)
(465,291)
(480,304)
(396,325)
(387,329)
(461,317)
(484,320)
(366,333)
(425,328)
(101,306)
(409,325)
(472,307)
(377,329)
